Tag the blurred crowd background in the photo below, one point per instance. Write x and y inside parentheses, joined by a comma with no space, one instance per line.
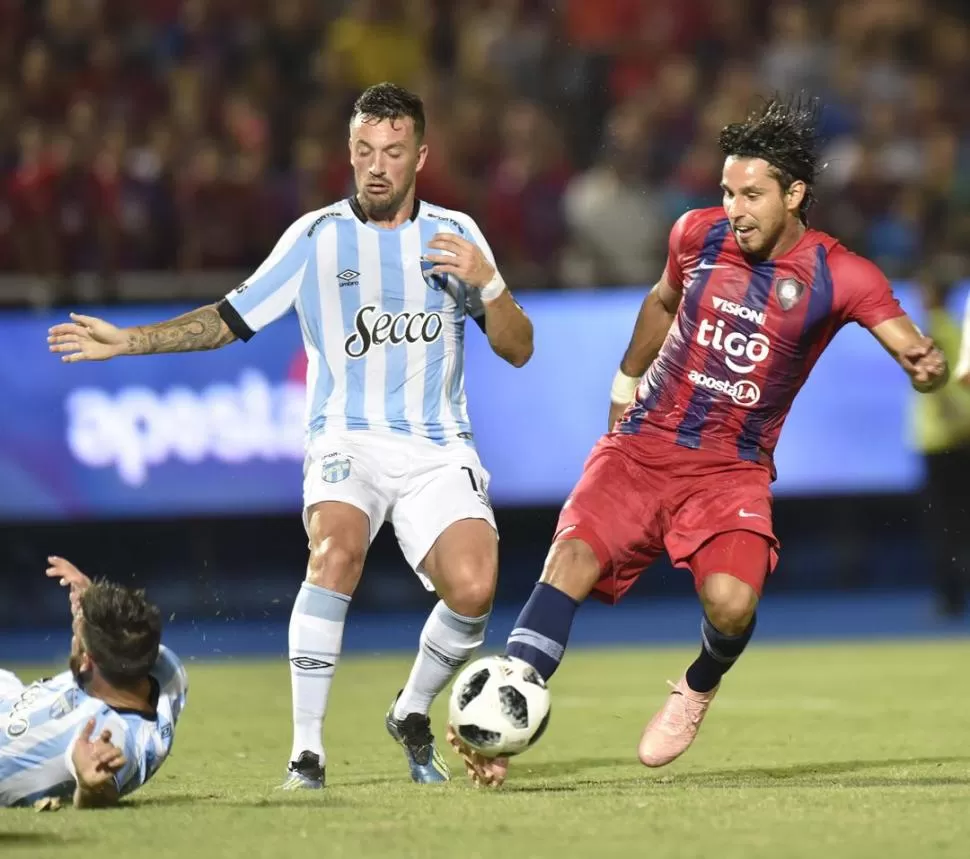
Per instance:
(186,134)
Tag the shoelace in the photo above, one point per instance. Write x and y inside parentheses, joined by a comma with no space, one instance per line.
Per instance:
(692,710)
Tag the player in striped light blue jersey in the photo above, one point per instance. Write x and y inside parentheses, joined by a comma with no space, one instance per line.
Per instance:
(103,728)
(382,284)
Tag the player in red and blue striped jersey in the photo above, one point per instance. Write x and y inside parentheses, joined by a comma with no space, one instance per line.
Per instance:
(749,299)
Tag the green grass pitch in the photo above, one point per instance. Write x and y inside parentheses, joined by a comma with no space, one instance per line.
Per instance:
(826,751)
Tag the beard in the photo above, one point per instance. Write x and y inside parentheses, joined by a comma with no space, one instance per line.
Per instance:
(381,208)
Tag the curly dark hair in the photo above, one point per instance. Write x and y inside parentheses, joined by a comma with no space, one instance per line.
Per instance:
(783,134)
(390,101)
(121,631)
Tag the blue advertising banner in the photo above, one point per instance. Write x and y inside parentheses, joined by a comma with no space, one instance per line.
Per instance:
(222,432)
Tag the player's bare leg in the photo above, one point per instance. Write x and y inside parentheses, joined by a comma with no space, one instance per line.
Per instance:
(729,620)
(463,567)
(339,536)
(541,633)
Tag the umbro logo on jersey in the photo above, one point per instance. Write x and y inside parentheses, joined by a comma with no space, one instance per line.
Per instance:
(349,277)
(308,663)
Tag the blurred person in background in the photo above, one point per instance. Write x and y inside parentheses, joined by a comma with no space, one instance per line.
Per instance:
(617,226)
(940,430)
(523,206)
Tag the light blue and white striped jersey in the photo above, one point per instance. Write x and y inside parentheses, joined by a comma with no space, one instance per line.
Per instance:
(384,339)
(39,725)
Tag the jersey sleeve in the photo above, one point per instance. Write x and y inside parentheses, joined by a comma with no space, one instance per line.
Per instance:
(271,290)
(129,776)
(863,293)
(173,680)
(683,240)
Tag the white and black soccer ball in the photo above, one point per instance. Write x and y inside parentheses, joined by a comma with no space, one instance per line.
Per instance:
(499,705)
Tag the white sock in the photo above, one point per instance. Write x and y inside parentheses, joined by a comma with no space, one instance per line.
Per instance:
(316,633)
(447,642)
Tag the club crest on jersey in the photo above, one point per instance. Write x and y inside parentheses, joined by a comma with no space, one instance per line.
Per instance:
(789,292)
(437,282)
(64,705)
(335,468)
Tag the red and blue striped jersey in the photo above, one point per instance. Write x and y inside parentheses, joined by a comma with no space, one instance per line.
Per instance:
(746,335)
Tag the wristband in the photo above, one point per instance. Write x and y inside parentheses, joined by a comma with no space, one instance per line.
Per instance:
(624,388)
(494,288)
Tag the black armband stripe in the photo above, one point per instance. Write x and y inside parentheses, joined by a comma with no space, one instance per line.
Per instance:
(234,322)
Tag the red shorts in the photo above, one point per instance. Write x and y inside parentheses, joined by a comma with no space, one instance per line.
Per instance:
(642,494)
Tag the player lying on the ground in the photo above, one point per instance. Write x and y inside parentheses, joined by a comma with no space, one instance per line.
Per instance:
(382,283)
(749,298)
(103,728)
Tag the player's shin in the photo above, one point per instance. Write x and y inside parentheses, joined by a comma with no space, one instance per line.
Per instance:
(541,631)
(447,642)
(316,634)
(718,653)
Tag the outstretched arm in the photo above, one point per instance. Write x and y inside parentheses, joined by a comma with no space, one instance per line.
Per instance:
(195,331)
(87,338)
(258,301)
(653,322)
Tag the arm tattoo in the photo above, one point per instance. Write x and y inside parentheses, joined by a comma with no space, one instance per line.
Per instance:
(195,331)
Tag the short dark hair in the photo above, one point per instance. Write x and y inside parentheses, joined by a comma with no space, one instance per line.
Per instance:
(121,631)
(783,134)
(390,101)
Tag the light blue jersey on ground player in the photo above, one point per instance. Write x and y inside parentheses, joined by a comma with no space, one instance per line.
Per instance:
(40,722)
(384,339)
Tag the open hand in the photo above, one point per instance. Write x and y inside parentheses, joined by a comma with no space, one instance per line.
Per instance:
(70,576)
(86,338)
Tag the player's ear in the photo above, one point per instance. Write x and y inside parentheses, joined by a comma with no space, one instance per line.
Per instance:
(422,156)
(795,195)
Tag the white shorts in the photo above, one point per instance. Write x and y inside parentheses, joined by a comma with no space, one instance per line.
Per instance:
(10,686)
(419,487)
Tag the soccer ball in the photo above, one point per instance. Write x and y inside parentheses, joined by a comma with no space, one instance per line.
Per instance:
(499,706)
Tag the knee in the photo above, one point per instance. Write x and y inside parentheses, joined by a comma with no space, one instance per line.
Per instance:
(471,588)
(571,567)
(335,565)
(728,602)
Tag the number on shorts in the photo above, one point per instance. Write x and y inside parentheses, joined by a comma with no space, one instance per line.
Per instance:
(471,477)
